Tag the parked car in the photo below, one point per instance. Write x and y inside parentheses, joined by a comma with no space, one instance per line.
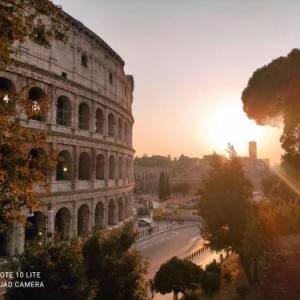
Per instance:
(144,223)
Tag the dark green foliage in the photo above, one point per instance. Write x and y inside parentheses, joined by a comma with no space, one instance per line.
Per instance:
(273,91)
(211,279)
(181,188)
(177,276)
(114,270)
(60,265)
(224,202)
(164,189)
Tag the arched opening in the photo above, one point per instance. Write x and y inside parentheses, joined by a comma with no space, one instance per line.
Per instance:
(126,132)
(63,111)
(100,166)
(84,116)
(7,90)
(83,218)
(35,227)
(111,125)
(127,169)
(121,210)
(36,96)
(111,212)
(5,237)
(120,129)
(127,208)
(112,167)
(64,166)
(99,121)
(99,215)
(37,160)
(63,223)
(84,166)
(120,167)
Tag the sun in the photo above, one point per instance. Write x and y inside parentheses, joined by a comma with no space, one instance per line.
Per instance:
(229,124)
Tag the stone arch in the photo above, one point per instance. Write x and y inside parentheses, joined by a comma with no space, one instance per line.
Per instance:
(63,111)
(84,172)
(63,223)
(5,240)
(126,132)
(100,167)
(7,89)
(112,167)
(64,166)
(99,215)
(127,207)
(35,227)
(121,209)
(120,167)
(120,129)
(36,95)
(84,116)
(99,125)
(83,219)
(37,160)
(111,125)
(111,212)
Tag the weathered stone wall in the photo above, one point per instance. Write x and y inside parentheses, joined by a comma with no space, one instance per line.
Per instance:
(84,72)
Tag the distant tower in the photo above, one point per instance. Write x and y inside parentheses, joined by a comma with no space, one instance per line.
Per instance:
(252,150)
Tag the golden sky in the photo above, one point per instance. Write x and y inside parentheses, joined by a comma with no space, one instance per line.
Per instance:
(191,61)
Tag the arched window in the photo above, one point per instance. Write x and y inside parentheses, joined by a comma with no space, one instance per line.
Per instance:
(84,116)
(120,129)
(100,166)
(63,223)
(36,96)
(111,125)
(120,167)
(126,133)
(84,167)
(112,167)
(121,209)
(83,218)
(64,166)
(99,121)
(63,111)
(37,160)
(111,212)
(99,215)
(34,227)
(7,90)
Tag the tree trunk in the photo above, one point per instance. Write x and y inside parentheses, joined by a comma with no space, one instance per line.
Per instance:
(175,296)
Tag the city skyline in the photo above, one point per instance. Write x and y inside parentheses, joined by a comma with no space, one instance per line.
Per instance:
(191,62)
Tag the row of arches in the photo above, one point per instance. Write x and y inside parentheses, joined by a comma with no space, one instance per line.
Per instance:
(117,127)
(64,169)
(104,215)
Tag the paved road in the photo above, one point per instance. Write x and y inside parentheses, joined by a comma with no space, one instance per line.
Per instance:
(178,242)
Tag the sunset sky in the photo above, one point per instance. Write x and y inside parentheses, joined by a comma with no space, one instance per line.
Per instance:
(191,60)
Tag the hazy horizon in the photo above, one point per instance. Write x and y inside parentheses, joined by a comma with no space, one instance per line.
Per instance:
(191,61)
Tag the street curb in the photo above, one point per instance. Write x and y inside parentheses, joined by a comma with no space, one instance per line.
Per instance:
(163,231)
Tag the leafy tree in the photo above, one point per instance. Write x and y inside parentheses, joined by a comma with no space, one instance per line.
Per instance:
(211,279)
(273,93)
(181,188)
(115,270)
(167,186)
(224,201)
(22,162)
(177,276)
(162,186)
(60,266)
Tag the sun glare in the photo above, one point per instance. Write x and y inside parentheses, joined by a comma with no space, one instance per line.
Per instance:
(231,125)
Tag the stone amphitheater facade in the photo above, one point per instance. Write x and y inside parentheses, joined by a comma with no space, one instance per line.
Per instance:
(89,124)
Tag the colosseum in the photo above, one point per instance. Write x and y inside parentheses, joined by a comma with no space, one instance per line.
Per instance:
(89,123)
